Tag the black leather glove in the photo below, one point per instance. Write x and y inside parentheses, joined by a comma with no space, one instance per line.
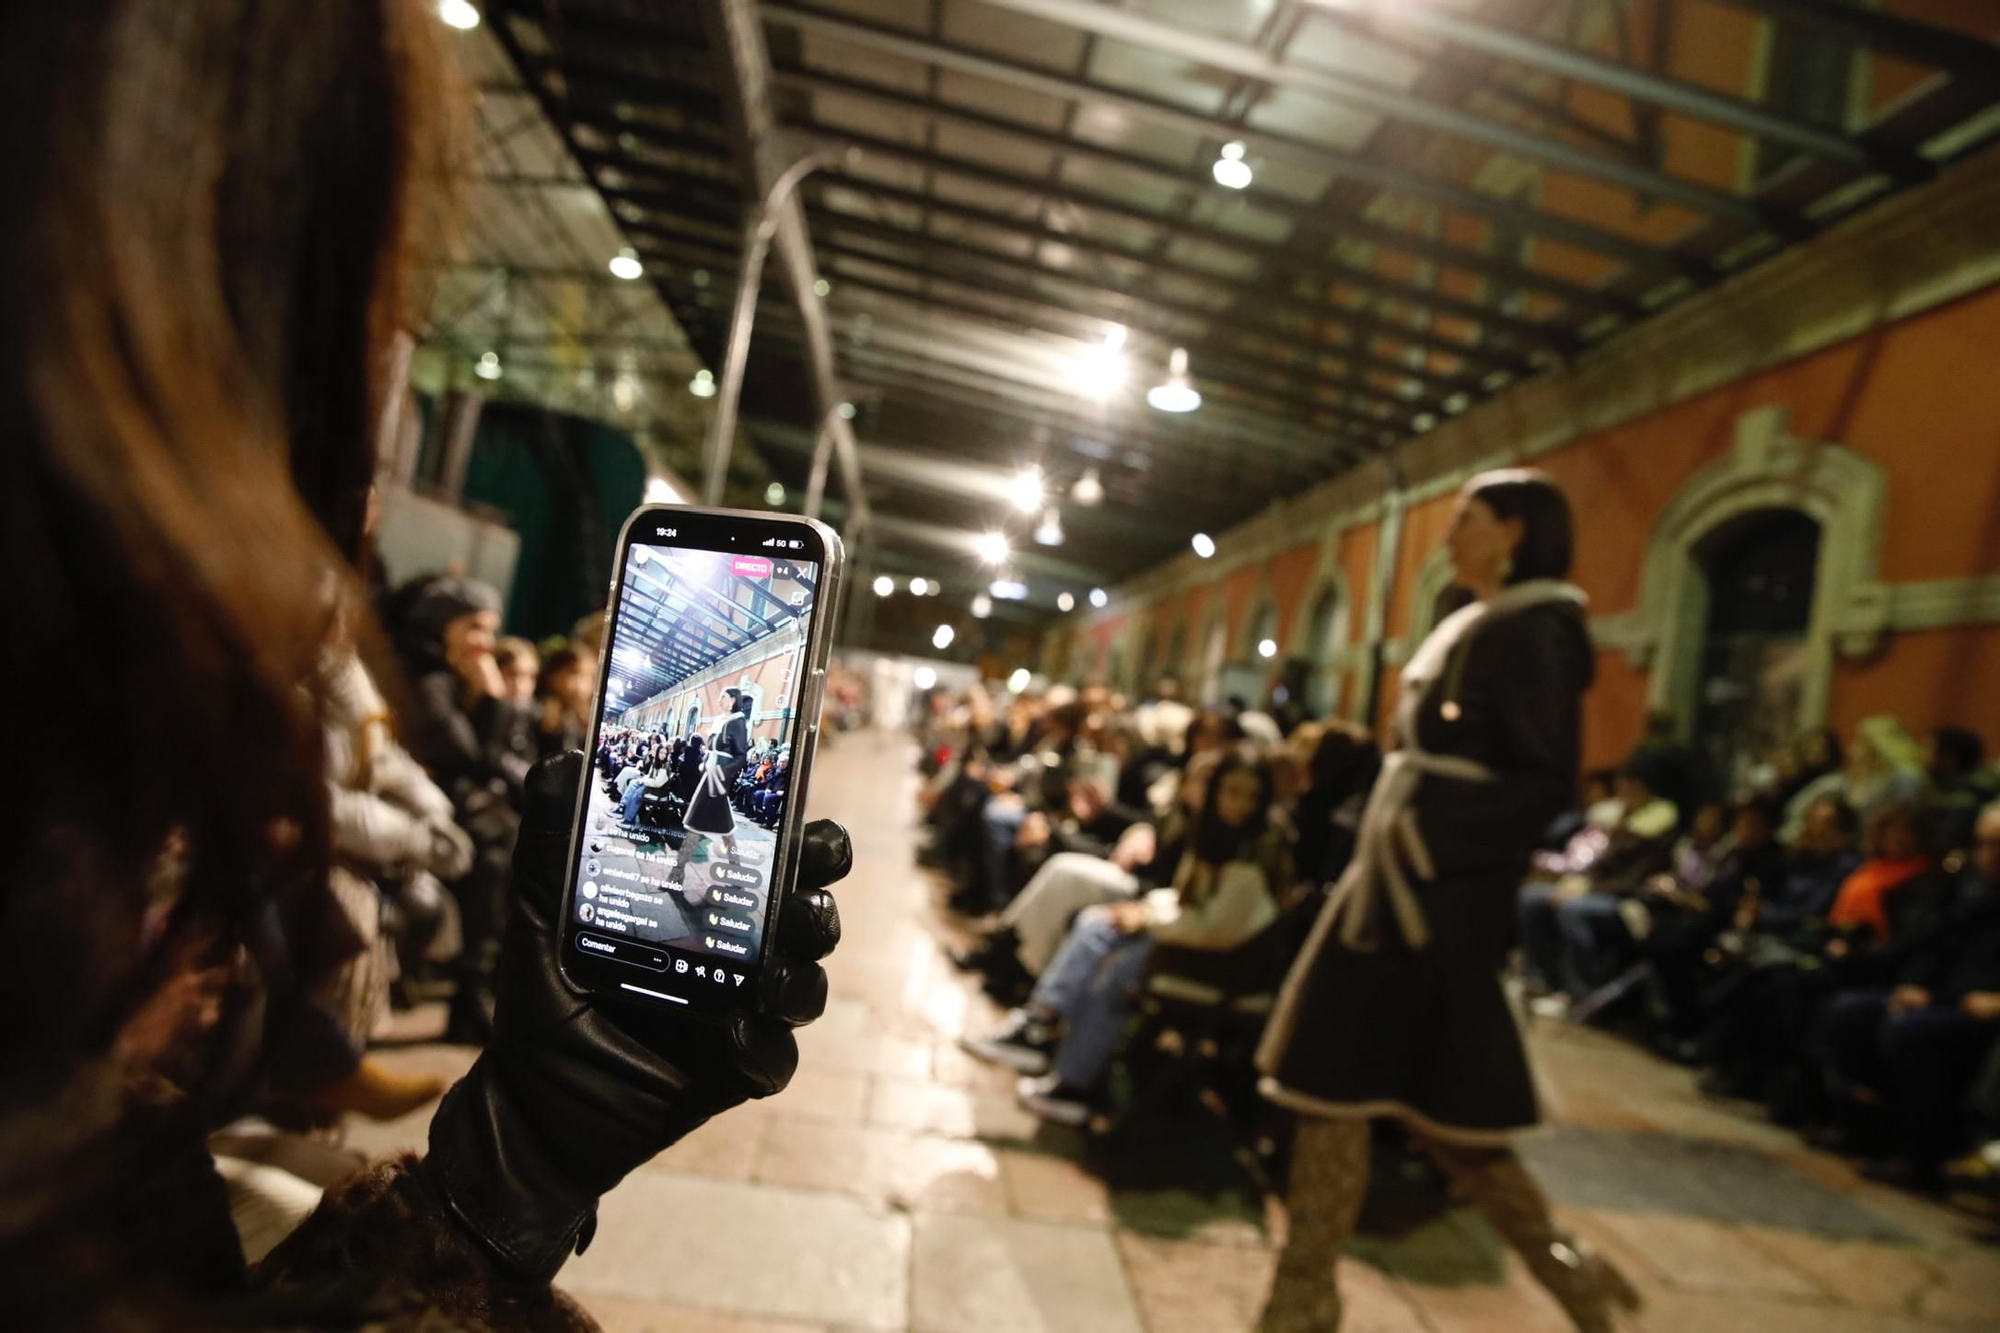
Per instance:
(574,1092)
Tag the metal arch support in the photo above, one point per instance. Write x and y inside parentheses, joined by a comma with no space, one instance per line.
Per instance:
(737,34)
(1381,99)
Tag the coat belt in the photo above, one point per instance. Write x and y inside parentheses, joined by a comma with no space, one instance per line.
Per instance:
(1390,847)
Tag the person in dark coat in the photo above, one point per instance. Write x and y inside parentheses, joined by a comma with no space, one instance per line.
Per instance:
(708,813)
(1395,1006)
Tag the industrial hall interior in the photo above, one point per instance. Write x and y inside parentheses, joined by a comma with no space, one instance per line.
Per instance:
(1002,666)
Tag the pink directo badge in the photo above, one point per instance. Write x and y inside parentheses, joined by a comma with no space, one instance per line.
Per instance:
(751,566)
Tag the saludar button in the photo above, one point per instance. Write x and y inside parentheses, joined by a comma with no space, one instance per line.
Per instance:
(1449,710)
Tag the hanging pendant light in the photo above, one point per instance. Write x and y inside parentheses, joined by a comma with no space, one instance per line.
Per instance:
(1176,393)
(1088,490)
(1049,531)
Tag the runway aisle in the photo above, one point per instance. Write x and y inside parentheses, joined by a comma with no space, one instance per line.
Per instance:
(895,1186)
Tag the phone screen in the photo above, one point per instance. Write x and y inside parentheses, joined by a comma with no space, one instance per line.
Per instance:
(697,757)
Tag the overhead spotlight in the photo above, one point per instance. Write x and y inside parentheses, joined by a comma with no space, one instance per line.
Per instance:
(1422,421)
(1049,531)
(625,391)
(774,494)
(1018,681)
(459,14)
(821,287)
(1089,490)
(1267,647)
(1065,601)
(1204,545)
(703,384)
(941,637)
(1175,393)
(1008,590)
(488,365)
(1230,169)
(1099,598)
(1026,490)
(982,606)
(916,587)
(846,411)
(991,547)
(884,585)
(625,264)
(1100,371)
(699,277)
(923,678)
(1458,402)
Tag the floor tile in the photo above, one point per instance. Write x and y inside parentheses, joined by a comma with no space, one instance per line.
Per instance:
(1699,1255)
(623,1316)
(823,1094)
(1053,1189)
(1867,1275)
(886,1167)
(1002,1275)
(753,1250)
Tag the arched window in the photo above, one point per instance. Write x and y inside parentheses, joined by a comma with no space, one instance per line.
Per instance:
(1214,651)
(693,718)
(1760,569)
(1247,673)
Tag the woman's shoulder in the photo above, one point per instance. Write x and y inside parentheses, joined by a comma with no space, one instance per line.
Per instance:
(1539,639)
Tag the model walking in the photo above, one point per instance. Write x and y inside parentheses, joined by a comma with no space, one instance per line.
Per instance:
(708,813)
(1395,1007)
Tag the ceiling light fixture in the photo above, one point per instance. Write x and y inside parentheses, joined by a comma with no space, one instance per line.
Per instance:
(845,411)
(1008,590)
(884,585)
(774,494)
(488,366)
(1099,598)
(982,606)
(821,287)
(916,587)
(703,384)
(1267,647)
(1065,602)
(1230,169)
(1089,490)
(625,264)
(923,678)
(1018,681)
(1175,393)
(1026,490)
(1049,531)
(991,547)
(1204,545)
(941,637)
(1100,371)
(459,14)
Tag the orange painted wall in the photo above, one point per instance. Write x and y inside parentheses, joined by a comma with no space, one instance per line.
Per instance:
(1291,573)
(1927,679)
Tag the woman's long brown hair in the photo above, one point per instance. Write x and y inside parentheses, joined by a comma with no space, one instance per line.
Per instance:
(203,253)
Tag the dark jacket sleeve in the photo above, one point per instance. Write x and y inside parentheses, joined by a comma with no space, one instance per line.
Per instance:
(442,736)
(1529,676)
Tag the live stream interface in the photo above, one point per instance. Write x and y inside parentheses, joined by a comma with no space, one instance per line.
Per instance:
(692,766)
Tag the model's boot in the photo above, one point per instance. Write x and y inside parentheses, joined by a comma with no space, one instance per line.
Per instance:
(1329,1176)
(1584,1283)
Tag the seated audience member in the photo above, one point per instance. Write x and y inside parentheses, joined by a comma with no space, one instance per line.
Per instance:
(656,777)
(1915,1043)
(1884,762)
(1812,767)
(1224,893)
(769,797)
(1035,923)
(462,731)
(1952,758)
(1565,924)
(1689,908)
(520,668)
(562,700)
(1596,813)
(1340,772)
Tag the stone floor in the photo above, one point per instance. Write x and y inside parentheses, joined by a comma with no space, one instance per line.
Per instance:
(895,1185)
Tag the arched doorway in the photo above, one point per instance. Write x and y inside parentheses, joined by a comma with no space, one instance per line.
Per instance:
(1322,683)
(1247,673)
(693,719)
(1213,653)
(1760,570)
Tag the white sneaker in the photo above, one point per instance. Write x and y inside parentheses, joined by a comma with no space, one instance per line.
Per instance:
(1555,1007)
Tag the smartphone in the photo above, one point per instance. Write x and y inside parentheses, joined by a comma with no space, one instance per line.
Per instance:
(708,700)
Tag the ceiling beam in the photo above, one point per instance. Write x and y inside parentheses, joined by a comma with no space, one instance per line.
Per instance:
(1216,52)
(1660,90)
(1958,54)
(1439,189)
(1326,222)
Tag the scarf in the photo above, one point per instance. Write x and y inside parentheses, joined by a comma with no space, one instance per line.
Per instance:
(1864,894)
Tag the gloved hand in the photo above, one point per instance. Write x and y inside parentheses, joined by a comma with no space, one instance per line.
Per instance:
(573,1092)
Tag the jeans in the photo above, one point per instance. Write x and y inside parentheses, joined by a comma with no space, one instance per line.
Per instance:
(1000,821)
(1541,936)
(1090,983)
(1593,942)
(634,794)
